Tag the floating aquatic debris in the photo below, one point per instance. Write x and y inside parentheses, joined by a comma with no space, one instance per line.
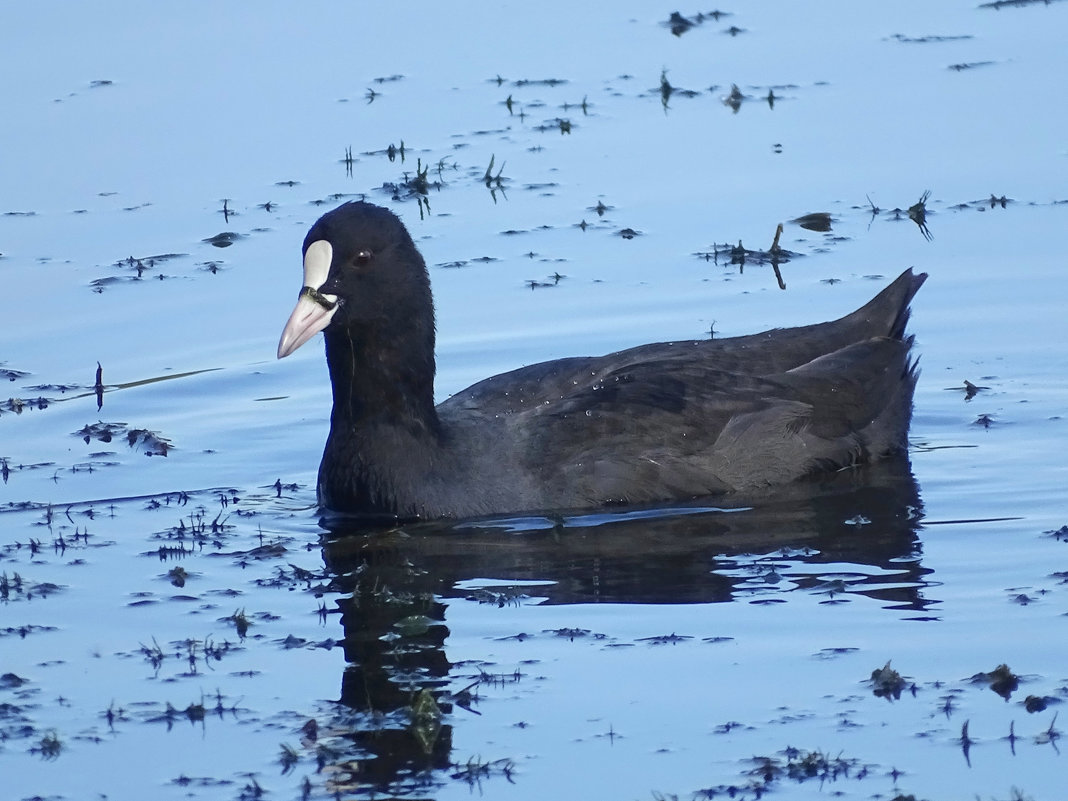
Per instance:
(795,764)
(542,187)
(679,24)
(391,152)
(1038,703)
(918,214)
(240,621)
(223,240)
(930,39)
(887,683)
(539,82)
(348,161)
(999,4)
(415,186)
(819,221)
(49,746)
(18,588)
(494,183)
(7,467)
(98,387)
(18,405)
(139,266)
(474,771)
(970,65)
(734,99)
(148,262)
(666,90)
(1001,680)
(970,389)
(571,633)
(150,442)
(738,255)
(666,639)
(584,106)
(499,597)
(564,126)
(1060,534)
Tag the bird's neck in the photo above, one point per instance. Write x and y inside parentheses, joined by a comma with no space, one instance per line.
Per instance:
(382,381)
(385,436)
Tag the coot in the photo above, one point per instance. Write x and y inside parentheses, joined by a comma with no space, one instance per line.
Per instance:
(673,420)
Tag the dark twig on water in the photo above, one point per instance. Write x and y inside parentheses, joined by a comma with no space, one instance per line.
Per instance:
(918,214)
(774,251)
(98,387)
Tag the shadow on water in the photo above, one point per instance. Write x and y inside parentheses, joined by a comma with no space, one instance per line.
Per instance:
(855,532)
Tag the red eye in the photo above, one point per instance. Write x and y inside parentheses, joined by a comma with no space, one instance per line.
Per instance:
(362,257)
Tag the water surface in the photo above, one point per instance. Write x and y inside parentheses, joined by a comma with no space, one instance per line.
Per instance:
(172,624)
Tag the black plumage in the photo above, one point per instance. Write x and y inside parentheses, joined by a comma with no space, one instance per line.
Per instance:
(652,423)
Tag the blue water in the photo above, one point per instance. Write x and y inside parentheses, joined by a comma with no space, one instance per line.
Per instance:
(127,126)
